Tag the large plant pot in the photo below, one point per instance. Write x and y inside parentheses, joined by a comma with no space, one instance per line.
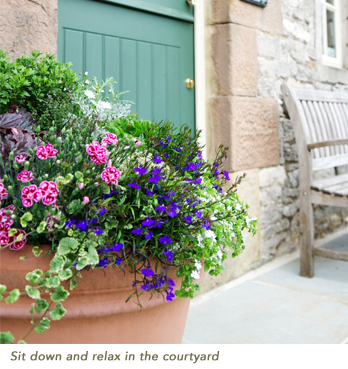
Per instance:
(97,312)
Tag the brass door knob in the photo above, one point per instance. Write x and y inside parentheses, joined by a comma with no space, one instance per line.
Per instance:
(190,83)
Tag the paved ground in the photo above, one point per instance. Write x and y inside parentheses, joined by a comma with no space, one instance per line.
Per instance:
(275,305)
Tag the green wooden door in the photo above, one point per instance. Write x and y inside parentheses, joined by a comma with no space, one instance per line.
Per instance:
(147,46)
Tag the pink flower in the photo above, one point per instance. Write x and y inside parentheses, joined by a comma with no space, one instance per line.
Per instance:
(20,159)
(81,186)
(126,147)
(4,238)
(19,244)
(137,143)
(47,151)
(49,199)
(25,176)
(98,153)
(49,192)
(86,200)
(29,194)
(3,192)
(27,203)
(109,139)
(110,174)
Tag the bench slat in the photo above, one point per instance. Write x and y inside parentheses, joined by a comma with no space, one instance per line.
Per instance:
(322,183)
(323,126)
(328,143)
(317,127)
(316,95)
(311,129)
(340,126)
(330,254)
(329,162)
(333,150)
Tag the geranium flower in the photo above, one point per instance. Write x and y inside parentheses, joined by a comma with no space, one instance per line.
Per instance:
(110,174)
(47,151)
(25,176)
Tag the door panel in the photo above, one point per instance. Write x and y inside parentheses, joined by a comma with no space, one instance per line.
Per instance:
(148,54)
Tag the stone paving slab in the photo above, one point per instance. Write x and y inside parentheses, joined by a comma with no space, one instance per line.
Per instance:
(278,307)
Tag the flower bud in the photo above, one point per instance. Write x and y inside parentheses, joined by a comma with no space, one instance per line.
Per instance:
(26,165)
(81,186)
(5,179)
(11,155)
(86,200)
(96,184)
(10,190)
(15,166)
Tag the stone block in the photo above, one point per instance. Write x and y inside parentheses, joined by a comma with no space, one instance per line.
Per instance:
(273,176)
(271,19)
(268,46)
(236,66)
(298,52)
(28,25)
(235,11)
(250,128)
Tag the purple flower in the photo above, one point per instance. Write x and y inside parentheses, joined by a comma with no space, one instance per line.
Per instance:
(169,254)
(160,208)
(157,225)
(154,179)
(104,262)
(198,181)
(118,261)
(198,214)
(200,156)
(157,159)
(134,185)
(140,170)
(167,155)
(149,193)
(167,198)
(188,219)
(171,193)
(147,222)
(206,225)
(117,247)
(165,240)
(148,235)
(188,200)
(174,210)
(147,272)
(138,231)
(101,212)
(216,165)
(225,173)
(98,231)
(156,171)
(170,295)
(70,223)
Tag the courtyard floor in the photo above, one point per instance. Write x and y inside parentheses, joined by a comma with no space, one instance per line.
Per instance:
(273,304)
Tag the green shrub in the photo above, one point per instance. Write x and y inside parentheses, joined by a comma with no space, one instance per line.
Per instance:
(30,81)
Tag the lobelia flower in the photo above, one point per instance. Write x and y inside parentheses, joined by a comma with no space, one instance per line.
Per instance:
(20,159)
(165,240)
(188,219)
(169,254)
(118,261)
(148,222)
(25,176)
(117,247)
(101,212)
(85,200)
(147,272)
(157,159)
(226,175)
(70,223)
(47,151)
(134,185)
(154,179)
(138,231)
(140,170)
(98,231)
(160,208)
(198,214)
(148,235)
(110,174)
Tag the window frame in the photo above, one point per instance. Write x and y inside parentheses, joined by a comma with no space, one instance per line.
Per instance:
(330,61)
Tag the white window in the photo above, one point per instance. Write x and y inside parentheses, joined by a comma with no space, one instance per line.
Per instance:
(332,38)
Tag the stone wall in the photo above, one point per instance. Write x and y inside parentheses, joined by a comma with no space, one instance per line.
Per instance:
(250,52)
(27,25)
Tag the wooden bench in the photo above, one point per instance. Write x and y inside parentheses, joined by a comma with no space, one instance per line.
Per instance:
(320,122)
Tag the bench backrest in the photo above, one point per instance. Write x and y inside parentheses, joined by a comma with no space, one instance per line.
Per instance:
(319,116)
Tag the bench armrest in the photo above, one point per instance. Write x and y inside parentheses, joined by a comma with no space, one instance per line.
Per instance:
(316,145)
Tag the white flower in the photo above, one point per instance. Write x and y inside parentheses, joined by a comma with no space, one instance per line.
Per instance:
(87,82)
(213,218)
(219,254)
(195,274)
(210,234)
(86,73)
(238,207)
(89,94)
(103,105)
(233,235)
(198,265)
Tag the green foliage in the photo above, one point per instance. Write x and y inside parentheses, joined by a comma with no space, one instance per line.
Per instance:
(41,306)
(43,325)
(6,337)
(27,217)
(58,312)
(66,245)
(13,296)
(60,294)
(2,290)
(29,81)
(34,293)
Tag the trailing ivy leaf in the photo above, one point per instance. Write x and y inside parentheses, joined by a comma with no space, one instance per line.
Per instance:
(36,251)
(65,274)
(12,232)
(73,283)
(2,290)
(57,263)
(93,257)
(13,296)
(27,217)
(75,206)
(43,326)
(60,294)
(34,276)
(83,261)
(41,305)
(21,342)
(58,313)
(53,282)
(79,176)
(6,337)
(41,227)
(67,245)
(22,258)
(32,292)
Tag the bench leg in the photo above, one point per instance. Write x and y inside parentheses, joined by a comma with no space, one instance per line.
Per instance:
(306,237)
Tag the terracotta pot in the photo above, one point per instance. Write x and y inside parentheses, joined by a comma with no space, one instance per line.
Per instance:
(97,312)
